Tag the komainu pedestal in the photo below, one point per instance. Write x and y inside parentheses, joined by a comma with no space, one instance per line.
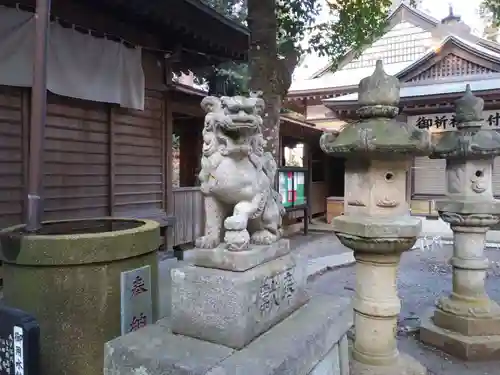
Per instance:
(467,322)
(377,225)
(231,307)
(242,307)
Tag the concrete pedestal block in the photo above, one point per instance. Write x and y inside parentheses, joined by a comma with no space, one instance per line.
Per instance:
(296,346)
(165,285)
(232,308)
(240,261)
(467,347)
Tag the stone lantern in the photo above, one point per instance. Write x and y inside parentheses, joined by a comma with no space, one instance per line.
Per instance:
(376,223)
(467,322)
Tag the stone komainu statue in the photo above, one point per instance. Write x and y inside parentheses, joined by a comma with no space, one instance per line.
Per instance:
(237,176)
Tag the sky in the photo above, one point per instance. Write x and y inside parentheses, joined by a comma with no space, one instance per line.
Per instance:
(467,9)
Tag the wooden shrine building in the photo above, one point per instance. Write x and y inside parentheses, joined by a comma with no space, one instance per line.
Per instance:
(434,60)
(112,105)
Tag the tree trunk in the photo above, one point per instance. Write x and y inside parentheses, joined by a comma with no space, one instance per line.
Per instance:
(263,64)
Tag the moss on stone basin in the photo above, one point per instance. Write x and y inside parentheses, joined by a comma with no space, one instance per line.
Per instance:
(68,276)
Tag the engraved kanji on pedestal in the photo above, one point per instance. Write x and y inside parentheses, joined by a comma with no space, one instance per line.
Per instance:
(466,323)
(377,225)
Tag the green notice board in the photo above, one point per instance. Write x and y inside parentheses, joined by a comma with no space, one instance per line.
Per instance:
(292,188)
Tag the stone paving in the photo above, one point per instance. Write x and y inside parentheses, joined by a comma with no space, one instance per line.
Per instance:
(317,245)
(322,251)
(423,277)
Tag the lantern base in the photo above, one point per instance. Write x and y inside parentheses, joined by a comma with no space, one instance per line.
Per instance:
(471,348)
(404,365)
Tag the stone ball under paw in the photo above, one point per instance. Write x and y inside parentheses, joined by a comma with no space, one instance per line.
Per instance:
(237,240)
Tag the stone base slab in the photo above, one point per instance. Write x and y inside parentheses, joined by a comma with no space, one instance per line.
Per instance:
(293,347)
(240,261)
(406,365)
(467,326)
(472,348)
(232,308)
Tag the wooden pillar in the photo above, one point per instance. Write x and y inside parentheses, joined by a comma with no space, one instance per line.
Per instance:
(168,134)
(38,117)
(409,182)
(111,160)
(25,121)
(327,165)
(307,163)
(281,153)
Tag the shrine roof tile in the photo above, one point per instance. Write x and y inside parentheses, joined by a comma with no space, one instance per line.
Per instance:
(435,87)
(347,77)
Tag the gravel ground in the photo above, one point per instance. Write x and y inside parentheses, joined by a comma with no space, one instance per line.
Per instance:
(423,277)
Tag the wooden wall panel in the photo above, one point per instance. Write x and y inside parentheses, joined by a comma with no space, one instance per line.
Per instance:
(11,156)
(318,197)
(137,160)
(191,144)
(189,213)
(99,160)
(76,166)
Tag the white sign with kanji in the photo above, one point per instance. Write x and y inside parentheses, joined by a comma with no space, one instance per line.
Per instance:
(136,299)
(436,122)
(18,350)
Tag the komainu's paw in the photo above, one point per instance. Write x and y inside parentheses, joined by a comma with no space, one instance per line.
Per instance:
(264,237)
(207,242)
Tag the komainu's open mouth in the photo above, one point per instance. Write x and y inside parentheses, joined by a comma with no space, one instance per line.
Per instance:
(235,135)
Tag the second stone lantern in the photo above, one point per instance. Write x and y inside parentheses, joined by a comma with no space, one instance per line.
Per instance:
(376,223)
(466,323)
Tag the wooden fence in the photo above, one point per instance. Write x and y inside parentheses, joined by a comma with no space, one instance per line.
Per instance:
(189,214)
(189,211)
